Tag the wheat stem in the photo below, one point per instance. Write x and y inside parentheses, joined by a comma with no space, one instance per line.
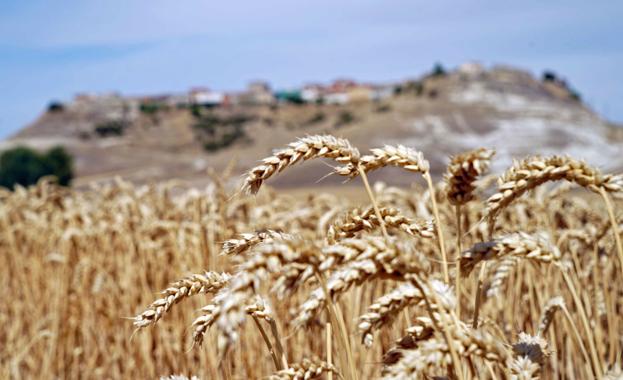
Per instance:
(329,349)
(442,246)
(280,351)
(615,225)
(366,184)
(479,291)
(336,317)
(449,341)
(576,333)
(587,329)
(457,276)
(269,345)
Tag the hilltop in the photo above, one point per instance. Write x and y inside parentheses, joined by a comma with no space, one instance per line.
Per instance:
(442,113)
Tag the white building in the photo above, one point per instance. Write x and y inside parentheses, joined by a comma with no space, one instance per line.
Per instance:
(381,92)
(312,93)
(471,70)
(206,97)
(336,97)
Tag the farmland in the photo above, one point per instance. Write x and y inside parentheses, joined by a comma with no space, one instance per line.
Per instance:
(466,277)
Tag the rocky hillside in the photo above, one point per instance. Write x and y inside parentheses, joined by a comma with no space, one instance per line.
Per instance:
(503,108)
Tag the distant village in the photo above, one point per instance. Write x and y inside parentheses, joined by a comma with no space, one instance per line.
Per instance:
(257,93)
(260,93)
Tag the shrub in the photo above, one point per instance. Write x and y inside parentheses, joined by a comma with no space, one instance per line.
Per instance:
(24,166)
(344,118)
(381,108)
(207,124)
(195,110)
(316,118)
(151,108)
(411,87)
(438,70)
(110,128)
(549,76)
(59,163)
(269,121)
(55,106)
(216,132)
(225,139)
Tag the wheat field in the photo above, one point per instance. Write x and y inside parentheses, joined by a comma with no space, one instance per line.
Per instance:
(513,275)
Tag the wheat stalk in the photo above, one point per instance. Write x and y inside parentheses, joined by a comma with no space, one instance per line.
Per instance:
(303,149)
(227,310)
(522,245)
(208,282)
(389,155)
(353,273)
(307,369)
(434,353)
(463,171)
(249,240)
(522,368)
(422,329)
(385,309)
(408,159)
(547,315)
(532,347)
(358,220)
(531,172)
(500,274)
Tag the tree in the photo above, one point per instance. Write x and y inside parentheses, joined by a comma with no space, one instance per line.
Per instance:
(60,164)
(56,106)
(25,166)
(438,70)
(549,76)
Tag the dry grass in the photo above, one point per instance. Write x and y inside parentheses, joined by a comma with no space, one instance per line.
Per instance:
(272,281)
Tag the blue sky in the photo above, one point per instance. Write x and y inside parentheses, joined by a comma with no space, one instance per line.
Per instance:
(53,49)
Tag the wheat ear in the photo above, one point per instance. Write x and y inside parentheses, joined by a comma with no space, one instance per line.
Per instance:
(435,352)
(366,220)
(408,159)
(303,149)
(463,171)
(522,245)
(501,273)
(208,282)
(547,315)
(531,172)
(249,240)
(385,309)
(307,369)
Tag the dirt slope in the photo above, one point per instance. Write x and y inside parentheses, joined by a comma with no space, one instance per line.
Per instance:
(503,108)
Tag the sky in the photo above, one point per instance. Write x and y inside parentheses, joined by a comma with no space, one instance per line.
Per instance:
(50,50)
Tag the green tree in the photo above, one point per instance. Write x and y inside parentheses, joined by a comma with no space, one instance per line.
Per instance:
(60,164)
(438,70)
(56,106)
(25,166)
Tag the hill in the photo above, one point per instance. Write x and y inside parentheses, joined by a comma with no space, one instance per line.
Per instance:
(443,114)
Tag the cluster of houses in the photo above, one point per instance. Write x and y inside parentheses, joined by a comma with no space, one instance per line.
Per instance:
(338,92)
(260,93)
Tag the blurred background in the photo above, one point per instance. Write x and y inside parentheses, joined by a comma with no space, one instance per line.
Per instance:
(151,90)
